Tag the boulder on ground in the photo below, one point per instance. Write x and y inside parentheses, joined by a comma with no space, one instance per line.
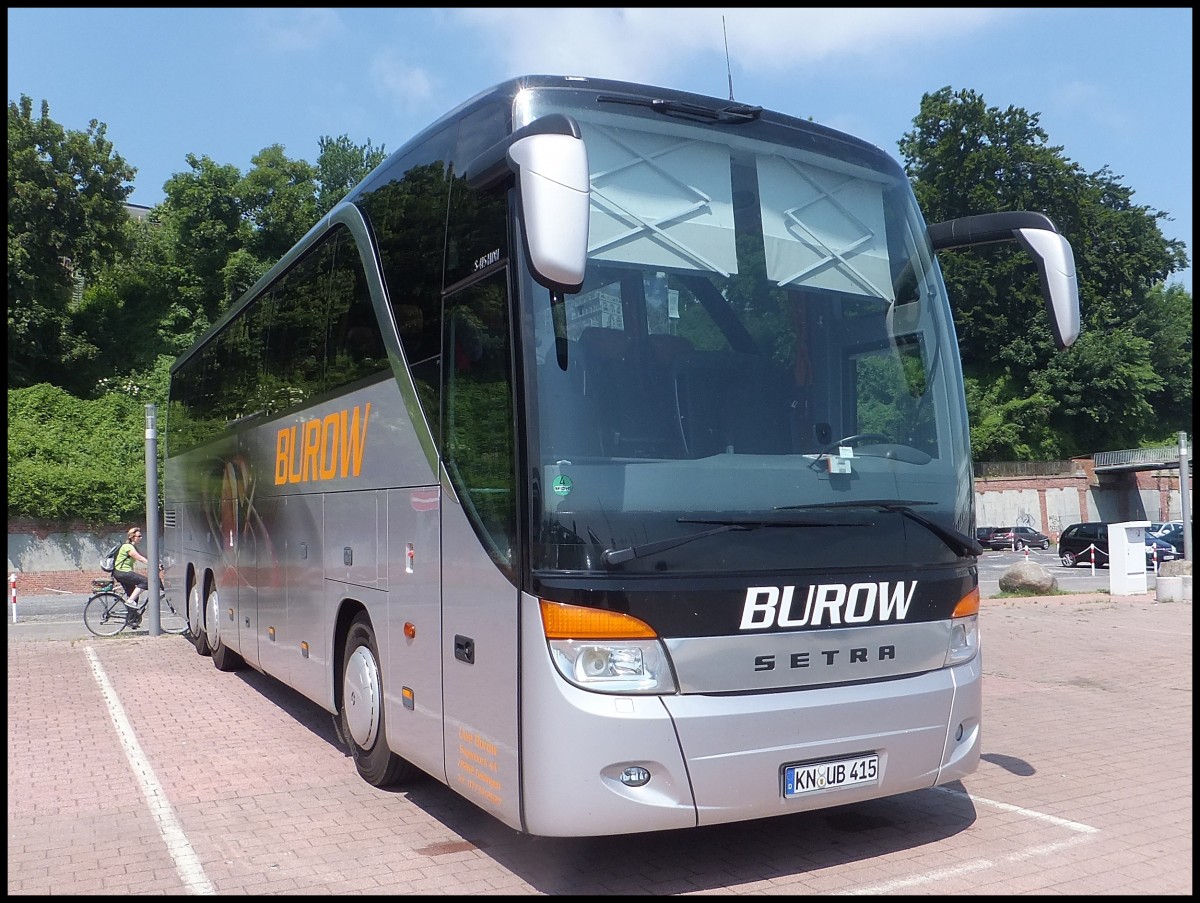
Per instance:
(1028,578)
(1180,567)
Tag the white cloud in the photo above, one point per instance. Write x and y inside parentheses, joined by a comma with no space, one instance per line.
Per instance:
(1094,102)
(291,30)
(408,87)
(647,44)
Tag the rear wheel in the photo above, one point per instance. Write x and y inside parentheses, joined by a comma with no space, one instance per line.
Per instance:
(104,614)
(170,619)
(362,718)
(223,657)
(195,613)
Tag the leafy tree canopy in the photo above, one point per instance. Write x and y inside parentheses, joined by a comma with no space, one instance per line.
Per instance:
(341,165)
(66,223)
(1128,377)
(95,295)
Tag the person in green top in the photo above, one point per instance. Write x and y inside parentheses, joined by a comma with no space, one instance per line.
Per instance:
(127,557)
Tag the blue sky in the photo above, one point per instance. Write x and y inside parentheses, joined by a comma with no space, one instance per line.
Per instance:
(1112,87)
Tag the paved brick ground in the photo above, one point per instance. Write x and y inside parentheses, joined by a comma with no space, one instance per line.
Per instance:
(134,767)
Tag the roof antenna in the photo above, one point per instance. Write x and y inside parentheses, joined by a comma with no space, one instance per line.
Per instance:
(727,69)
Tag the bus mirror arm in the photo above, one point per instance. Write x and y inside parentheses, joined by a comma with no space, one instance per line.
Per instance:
(492,166)
(1042,241)
(558,316)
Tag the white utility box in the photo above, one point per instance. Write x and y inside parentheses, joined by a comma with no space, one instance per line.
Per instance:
(1127,558)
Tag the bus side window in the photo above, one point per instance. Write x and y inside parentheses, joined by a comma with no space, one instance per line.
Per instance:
(355,343)
(478,445)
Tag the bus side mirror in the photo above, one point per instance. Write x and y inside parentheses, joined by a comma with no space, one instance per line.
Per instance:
(1042,241)
(550,162)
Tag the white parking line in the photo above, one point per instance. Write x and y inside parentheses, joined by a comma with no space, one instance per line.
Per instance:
(1039,816)
(187,863)
(1082,833)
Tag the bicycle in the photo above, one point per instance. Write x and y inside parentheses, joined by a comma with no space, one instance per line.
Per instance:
(106,614)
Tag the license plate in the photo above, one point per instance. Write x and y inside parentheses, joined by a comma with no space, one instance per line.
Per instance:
(815,776)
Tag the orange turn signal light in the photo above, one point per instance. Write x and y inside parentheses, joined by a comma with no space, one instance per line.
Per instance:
(575,622)
(967,605)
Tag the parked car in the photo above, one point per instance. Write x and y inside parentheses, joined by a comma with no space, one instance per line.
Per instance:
(1172,532)
(1016,538)
(1076,544)
(983,534)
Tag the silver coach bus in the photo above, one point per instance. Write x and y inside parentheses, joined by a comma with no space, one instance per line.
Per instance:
(604,455)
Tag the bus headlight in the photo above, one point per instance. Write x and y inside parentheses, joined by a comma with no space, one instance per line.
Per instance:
(614,666)
(964,640)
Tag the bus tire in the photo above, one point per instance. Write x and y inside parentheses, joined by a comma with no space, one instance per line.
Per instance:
(362,709)
(223,657)
(195,615)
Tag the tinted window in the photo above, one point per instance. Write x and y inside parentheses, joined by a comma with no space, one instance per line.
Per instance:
(311,332)
(406,208)
(421,229)
(478,420)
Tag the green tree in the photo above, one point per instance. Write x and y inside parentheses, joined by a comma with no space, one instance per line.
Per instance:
(278,198)
(66,222)
(341,165)
(215,234)
(1165,320)
(1025,399)
(203,215)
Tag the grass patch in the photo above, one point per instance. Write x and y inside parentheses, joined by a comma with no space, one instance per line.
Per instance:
(1004,594)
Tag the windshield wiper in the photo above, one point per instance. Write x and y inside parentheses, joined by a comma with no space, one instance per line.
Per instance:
(735,113)
(959,543)
(618,556)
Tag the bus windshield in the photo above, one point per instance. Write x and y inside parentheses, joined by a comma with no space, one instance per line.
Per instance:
(762,344)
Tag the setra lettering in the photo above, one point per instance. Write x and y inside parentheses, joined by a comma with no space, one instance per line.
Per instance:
(858,655)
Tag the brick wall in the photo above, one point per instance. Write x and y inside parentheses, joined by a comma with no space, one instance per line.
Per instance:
(39,583)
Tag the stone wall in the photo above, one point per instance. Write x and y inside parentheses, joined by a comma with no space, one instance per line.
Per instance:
(57,557)
(1051,504)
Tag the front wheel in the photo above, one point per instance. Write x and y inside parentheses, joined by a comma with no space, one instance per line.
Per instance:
(104,614)
(362,717)
(1069,559)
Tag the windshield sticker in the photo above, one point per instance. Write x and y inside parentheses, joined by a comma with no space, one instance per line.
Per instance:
(562,485)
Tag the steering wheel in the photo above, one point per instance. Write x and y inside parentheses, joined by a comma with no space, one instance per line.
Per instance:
(856,439)
(848,440)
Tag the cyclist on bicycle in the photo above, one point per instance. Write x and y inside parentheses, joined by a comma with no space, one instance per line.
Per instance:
(123,571)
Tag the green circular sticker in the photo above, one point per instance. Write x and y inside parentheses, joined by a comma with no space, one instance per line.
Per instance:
(562,485)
